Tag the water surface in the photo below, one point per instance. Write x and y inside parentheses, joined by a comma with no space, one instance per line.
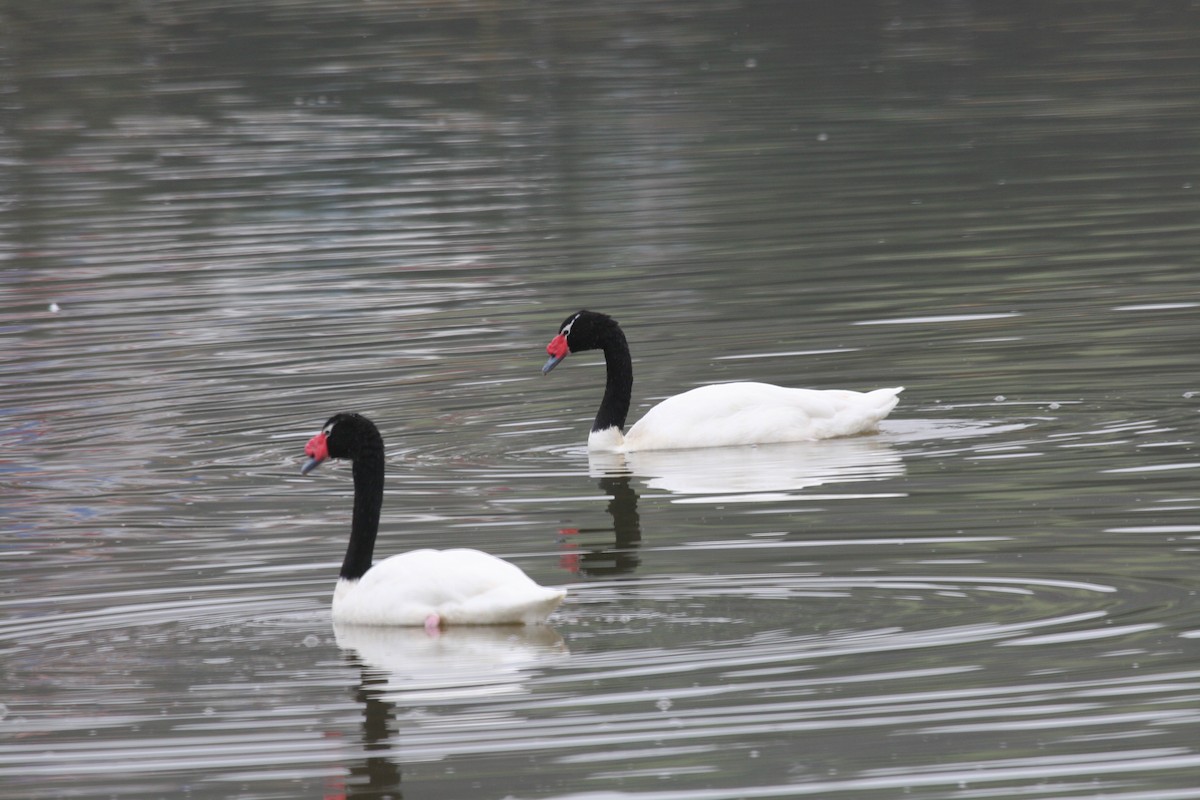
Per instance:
(221,223)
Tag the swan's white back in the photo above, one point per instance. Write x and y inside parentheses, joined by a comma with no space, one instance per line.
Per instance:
(460,586)
(726,414)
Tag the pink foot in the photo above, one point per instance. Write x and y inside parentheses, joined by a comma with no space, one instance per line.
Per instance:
(433,625)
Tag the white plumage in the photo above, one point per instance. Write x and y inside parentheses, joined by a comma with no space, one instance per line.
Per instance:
(727,414)
(458,587)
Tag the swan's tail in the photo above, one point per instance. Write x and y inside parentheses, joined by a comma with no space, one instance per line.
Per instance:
(537,612)
(884,400)
(858,413)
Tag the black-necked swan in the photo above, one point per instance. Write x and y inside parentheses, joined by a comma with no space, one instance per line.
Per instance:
(430,588)
(717,415)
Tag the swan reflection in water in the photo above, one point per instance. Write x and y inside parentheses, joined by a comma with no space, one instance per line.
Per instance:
(459,662)
(606,558)
(375,775)
(755,473)
(402,668)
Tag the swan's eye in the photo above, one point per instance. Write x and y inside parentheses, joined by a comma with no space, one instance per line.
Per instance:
(566,331)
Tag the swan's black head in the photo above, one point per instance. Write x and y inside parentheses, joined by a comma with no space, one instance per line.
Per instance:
(583,330)
(343,436)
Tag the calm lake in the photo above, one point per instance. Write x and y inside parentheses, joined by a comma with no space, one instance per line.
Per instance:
(223,221)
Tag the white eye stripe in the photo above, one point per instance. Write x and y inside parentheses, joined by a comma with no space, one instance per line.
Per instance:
(566,331)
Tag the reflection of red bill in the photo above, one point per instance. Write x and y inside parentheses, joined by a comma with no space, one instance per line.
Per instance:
(570,562)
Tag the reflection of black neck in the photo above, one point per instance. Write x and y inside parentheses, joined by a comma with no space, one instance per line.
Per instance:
(622,556)
(627,523)
(368,500)
(618,387)
(377,776)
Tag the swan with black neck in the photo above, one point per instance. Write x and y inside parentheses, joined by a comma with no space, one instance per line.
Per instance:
(716,415)
(429,588)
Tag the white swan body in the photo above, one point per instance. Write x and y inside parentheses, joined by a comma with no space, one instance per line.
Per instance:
(429,588)
(729,414)
(458,587)
(718,415)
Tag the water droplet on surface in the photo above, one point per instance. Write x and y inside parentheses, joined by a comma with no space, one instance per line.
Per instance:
(311,640)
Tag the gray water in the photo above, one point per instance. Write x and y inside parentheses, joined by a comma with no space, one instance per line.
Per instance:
(222,222)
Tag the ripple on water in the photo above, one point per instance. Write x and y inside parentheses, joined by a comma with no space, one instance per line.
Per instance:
(652,671)
(714,686)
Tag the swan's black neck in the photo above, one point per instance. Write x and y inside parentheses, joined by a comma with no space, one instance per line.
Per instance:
(614,408)
(368,500)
